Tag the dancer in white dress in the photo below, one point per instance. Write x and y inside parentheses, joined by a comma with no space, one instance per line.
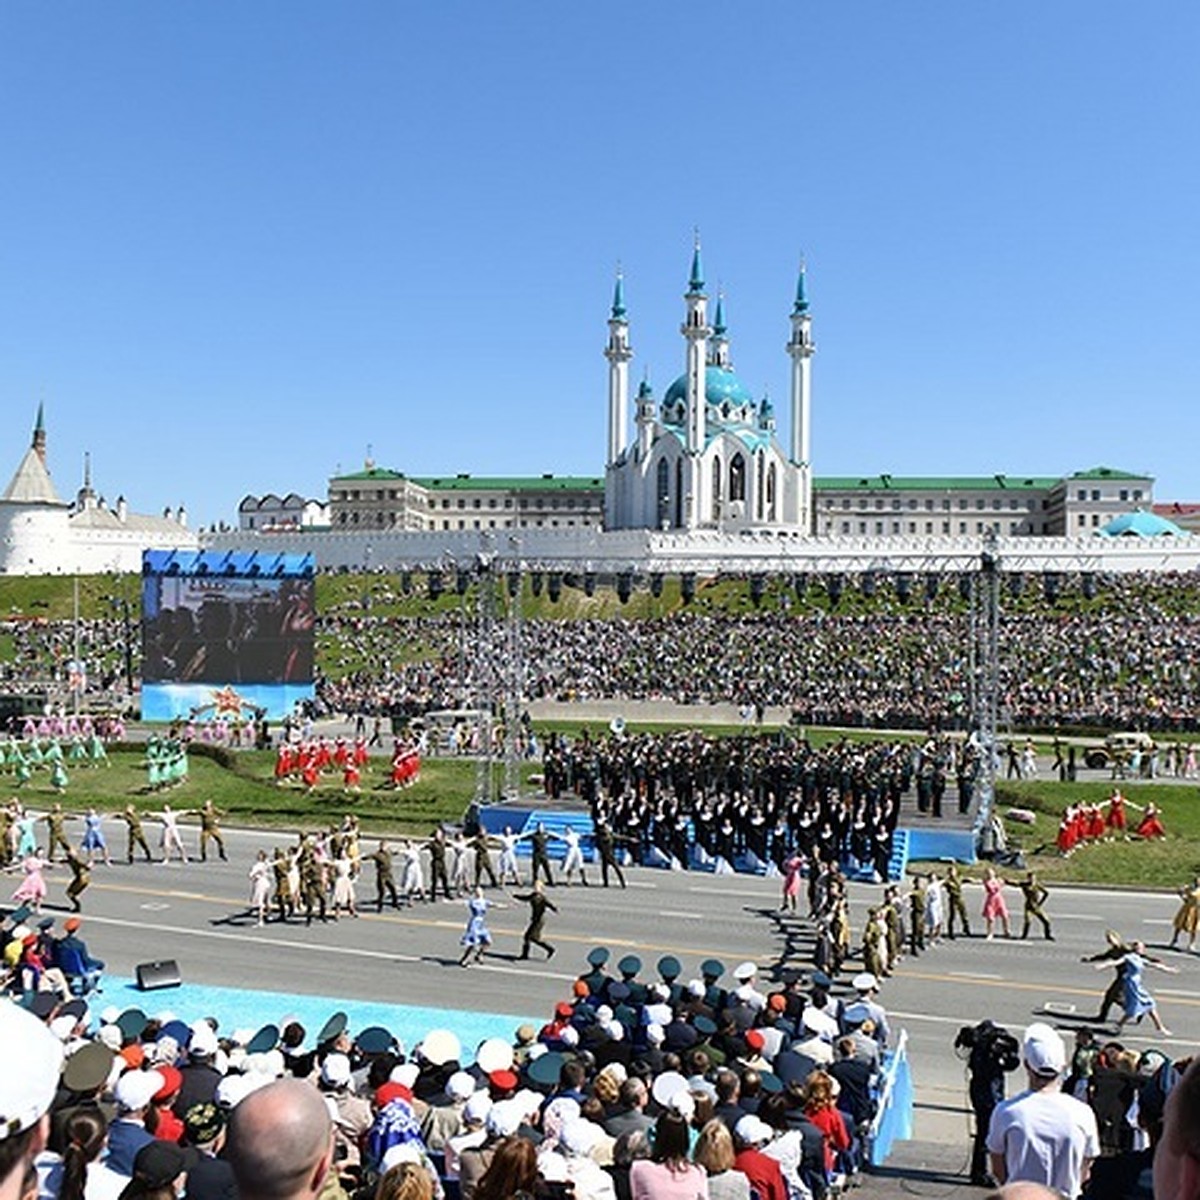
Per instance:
(412,876)
(170,838)
(508,857)
(935,908)
(574,859)
(261,874)
(343,887)
(460,880)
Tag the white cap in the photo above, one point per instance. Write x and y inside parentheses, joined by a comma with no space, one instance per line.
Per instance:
(504,1118)
(864,981)
(403,1152)
(203,1040)
(460,1085)
(569,1035)
(477,1107)
(135,1089)
(745,970)
(335,1070)
(405,1074)
(494,1054)
(753,1131)
(820,1023)
(655,1034)
(683,1104)
(1043,1050)
(32,1060)
(579,1137)
(695,988)
(440,1046)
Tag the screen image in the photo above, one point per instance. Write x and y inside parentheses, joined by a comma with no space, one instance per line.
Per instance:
(207,629)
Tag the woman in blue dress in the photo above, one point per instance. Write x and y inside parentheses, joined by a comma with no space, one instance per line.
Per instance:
(93,837)
(476,938)
(1136,1001)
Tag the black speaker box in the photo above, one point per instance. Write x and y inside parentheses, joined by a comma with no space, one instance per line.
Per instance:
(161,974)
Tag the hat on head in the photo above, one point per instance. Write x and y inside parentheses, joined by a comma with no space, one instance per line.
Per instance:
(265,1039)
(46,923)
(503,1080)
(704,1026)
(335,1070)
(494,1054)
(580,989)
(375,1040)
(133,1054)
(695,988)
(391,1091)
(630,965)
(545,1069)
(667,1086)
(1043,1050)
(71,924)
(712,968)
(669,968)
(504,1118)
(440,1046)
(753,1131)
(821,980)
(88,1067)
(654,1034)
(818,1022)
(172,1081)
(864,982)
(745,970)
(563,1009)
(525,1034)
(755,1040)
(158,1164)
(203,1043)
(598,957)
(770,1081)
(135,1089)
(777,1002)
(405,1074)
(618,991)
(578,1136)
(32,1060)
(400,1153)
(203,1122)
(477,1107)
(333,1028)
(460,1085)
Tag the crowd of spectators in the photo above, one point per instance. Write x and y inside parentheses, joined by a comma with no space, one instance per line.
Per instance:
(633,1089)
(1123,657)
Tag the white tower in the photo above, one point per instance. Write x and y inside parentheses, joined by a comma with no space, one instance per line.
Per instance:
(800,348)
(618,353)
(696,330)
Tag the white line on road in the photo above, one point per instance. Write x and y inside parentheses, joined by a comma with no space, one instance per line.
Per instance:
(973,975)
(1156,921)
(712,891)
(1076,917)
(684,916)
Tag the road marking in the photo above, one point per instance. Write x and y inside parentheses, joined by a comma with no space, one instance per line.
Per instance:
(1156,921)
(1011,984)
(1076,917)
(683,916)
(973,975)
(709,891)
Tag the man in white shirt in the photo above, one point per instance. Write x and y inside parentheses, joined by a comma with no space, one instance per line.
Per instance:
(1043,1135)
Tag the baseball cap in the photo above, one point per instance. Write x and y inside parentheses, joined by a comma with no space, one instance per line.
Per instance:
(335,1070)
(1043,1050)
(753,1131)
(158,1164)
(32,1060)
(135,1089)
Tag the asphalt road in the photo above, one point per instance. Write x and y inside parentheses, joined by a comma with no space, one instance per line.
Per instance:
(195,914)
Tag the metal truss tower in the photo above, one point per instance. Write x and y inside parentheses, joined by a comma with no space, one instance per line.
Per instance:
(985,675)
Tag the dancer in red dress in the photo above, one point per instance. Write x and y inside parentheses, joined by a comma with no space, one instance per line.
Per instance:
(1150,826)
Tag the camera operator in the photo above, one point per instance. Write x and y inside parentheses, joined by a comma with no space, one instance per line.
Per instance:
(991,1052)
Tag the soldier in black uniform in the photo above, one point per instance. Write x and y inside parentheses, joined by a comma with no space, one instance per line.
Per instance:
(538,905)
(385,882)
(606,847)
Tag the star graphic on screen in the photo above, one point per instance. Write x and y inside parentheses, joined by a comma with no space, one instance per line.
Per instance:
(227,700)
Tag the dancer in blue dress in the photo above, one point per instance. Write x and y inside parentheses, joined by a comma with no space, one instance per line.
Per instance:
(1136,1001)
(476,938)
(93,837)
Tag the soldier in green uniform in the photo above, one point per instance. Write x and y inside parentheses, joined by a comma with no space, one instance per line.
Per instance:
(437,864)
(55,823)
(873,936)
(597,979)
(538,906)
(209,829)
(669,971)
(482,845)
(711,970)
(135,834)
(312,883)
(629,967)
(384,880)
(281,867)
(80,878)
(916,916)
(958,909)
(893,918)
(1035,894)
(6,821)
(539,841)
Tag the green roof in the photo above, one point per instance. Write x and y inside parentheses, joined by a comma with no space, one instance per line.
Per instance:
(512,483)
(1107,473)
(370,473)
(931,483)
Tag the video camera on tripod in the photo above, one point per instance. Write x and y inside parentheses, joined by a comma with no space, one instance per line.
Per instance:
(989,1048)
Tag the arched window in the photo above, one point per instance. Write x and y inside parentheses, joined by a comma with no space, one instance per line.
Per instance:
(716,486)
(678,493)
(759,487)
(663,492)
(771,515)
(737,478)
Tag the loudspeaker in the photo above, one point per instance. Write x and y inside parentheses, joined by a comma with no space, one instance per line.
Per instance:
(161,974)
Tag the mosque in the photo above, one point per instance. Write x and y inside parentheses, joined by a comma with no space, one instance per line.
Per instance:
(706,456)
(42,534)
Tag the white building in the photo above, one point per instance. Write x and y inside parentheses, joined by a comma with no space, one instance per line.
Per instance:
(42,534)
(706,455)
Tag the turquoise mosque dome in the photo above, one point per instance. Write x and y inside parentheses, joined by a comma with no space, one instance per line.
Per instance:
(721,386)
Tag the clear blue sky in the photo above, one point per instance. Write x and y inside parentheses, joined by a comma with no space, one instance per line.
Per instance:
(242,241)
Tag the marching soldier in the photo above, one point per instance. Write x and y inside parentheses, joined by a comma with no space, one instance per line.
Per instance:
(135,834)
(538,905)
(209,829)
(1035,894)
(80,878)
(55,821)
(384,880)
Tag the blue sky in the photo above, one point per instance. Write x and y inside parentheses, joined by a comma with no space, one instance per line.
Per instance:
(242,242)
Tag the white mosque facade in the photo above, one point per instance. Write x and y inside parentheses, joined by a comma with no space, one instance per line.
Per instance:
(42,534)
(706,456)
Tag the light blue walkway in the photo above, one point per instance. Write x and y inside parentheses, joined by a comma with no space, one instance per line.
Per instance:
(239,1008)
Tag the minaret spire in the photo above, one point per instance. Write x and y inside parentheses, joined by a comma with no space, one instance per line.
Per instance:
(800,349)
(718,348)
(696,282)
(618,352)
(696,331)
